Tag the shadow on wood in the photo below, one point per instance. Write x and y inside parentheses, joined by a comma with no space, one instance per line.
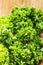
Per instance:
(41,36)
(40,62)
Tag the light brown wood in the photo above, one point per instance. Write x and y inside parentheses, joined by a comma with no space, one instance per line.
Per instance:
(14,3)
(6,5)
(41,36)
(41,62)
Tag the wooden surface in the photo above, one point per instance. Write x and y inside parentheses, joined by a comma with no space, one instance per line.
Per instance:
(6,5)
(41,62)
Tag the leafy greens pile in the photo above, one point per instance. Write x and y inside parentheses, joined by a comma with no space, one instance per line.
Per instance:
(4,55)
(20,43)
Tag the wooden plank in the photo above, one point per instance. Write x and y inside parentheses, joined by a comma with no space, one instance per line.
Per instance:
(26,2)
(13,3)
(0,7)
(6,5)
(34,3)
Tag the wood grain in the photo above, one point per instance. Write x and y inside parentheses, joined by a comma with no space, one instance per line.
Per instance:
(6,5)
